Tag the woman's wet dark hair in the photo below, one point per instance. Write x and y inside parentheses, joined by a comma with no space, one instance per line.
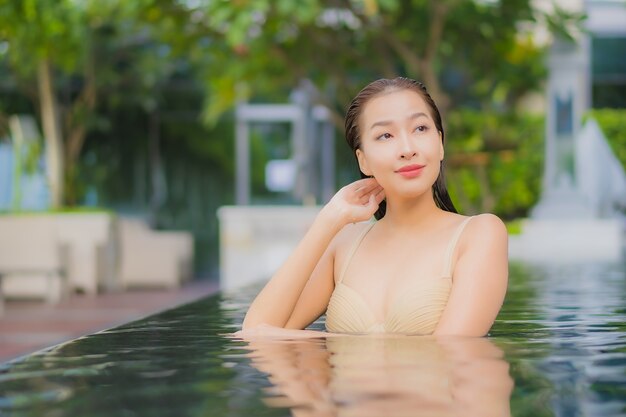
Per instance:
(353,137)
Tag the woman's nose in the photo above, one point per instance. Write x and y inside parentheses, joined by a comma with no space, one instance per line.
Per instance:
(407,148)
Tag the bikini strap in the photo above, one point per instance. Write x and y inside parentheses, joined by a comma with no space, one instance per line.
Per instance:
(353,249)
(447,273)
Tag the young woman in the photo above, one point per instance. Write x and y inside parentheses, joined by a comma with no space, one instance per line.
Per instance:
(420,268)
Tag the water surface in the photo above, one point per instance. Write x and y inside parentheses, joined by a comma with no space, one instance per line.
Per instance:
(558,348)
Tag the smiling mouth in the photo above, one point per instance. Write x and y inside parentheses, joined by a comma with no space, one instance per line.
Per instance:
(410,170)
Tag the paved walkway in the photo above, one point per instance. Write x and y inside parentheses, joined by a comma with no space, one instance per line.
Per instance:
(28,326)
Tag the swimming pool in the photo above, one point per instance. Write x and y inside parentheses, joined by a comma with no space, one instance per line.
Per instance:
(558,348)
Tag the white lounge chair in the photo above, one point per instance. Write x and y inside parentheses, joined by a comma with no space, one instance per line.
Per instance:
(150,258)
(32,262)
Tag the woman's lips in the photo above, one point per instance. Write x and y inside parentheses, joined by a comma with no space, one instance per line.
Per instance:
(410,171)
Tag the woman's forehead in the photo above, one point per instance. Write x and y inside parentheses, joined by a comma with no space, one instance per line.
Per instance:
(394,105)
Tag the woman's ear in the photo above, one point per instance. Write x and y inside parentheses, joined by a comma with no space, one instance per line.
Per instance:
(360,156)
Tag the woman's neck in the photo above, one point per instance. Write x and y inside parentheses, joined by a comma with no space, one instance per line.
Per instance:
(412,215)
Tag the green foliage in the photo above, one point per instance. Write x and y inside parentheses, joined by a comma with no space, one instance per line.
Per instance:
(495,161)
(562,21)
(41,29)
(613,125)
(514,227)
(32,155)
(260,49)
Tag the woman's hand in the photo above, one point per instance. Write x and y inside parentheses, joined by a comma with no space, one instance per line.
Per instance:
(355,202)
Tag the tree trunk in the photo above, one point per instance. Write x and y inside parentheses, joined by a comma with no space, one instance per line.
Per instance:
(438,15)
(75,123)
(52,133)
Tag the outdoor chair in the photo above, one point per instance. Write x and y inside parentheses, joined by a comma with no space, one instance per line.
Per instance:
(32,262)
(151,258)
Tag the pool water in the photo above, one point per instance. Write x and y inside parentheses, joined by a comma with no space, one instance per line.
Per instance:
(558,348)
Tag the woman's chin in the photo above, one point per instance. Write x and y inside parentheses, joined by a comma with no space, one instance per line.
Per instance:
(407,193)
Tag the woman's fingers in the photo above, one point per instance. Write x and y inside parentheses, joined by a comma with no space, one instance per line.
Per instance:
(365,211)
(365,189)
(359,200)
(365,197)
(369,206)
(378,192)
(364,184)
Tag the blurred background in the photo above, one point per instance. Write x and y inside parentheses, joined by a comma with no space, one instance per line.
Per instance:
(131,105)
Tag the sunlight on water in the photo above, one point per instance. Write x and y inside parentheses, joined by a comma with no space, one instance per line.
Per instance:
(558,348)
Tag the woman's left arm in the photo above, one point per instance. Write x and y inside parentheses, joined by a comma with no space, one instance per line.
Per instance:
(480,279)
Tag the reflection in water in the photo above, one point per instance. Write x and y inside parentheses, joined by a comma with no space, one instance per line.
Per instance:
(383,375)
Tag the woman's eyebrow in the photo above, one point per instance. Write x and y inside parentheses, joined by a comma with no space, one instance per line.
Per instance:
(416,115)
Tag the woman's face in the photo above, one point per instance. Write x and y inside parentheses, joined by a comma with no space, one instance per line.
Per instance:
(400,144)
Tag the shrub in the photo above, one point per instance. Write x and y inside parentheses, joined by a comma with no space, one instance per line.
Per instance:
(495,161)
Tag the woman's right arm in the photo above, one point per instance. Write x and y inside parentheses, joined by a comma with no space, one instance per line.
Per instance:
(278,299)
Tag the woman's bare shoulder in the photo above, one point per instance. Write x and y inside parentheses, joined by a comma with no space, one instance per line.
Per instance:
(489,221)
(348,234)
(485,228)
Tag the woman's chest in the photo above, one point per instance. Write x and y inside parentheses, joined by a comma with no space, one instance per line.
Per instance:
(384,276)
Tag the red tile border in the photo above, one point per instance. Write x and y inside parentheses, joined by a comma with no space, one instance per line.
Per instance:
(27,326)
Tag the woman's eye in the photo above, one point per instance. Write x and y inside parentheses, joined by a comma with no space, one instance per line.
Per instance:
(384,136)
(421,128)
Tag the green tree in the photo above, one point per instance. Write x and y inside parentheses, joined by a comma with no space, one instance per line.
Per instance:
(64,49)
(38,35)
(464,51)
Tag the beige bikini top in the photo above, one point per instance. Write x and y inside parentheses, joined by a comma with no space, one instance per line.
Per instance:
(414,311)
